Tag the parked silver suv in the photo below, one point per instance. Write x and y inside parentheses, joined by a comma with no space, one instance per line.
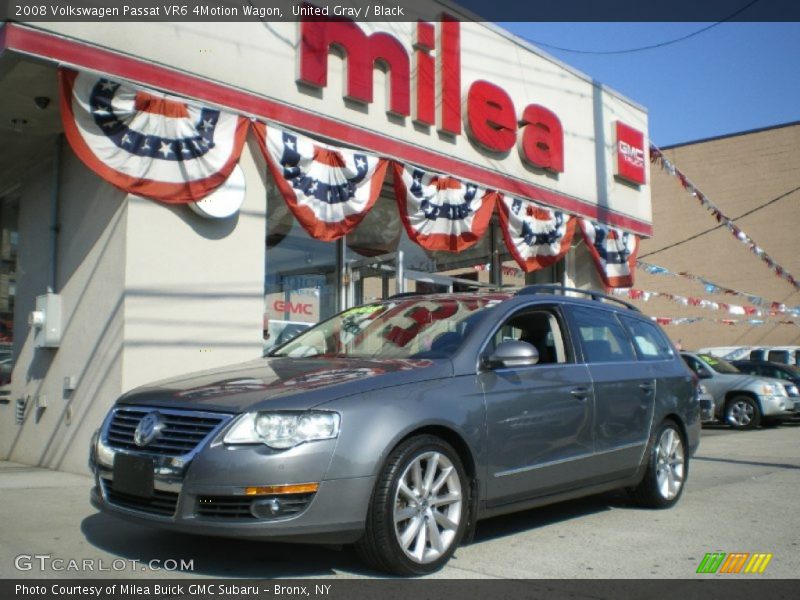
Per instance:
(742,401)
(398,425)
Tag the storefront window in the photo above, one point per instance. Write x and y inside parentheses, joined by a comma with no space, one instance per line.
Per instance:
(381,233)
(308,281)
(301,277)
(9,240)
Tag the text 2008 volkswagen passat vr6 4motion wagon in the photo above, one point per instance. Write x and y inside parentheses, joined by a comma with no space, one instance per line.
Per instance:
(397,425)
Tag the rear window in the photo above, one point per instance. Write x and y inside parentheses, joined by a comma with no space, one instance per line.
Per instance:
(602,336)
(649,341)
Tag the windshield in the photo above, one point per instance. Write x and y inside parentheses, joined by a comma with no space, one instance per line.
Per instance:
(412,327)
(720,365)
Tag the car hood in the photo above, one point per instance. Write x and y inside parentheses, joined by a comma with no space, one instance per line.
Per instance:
(283,383)
(743,381)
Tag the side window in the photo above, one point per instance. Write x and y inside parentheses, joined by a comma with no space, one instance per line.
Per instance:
(539,328)
(696,366)
(692,364)
(649,342)
(602,336)
(777,374)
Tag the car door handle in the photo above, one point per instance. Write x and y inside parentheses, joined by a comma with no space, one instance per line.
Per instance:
(647,387)
(581,393)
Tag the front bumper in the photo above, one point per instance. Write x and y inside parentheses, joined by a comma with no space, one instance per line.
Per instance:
(776,406)
(203,492)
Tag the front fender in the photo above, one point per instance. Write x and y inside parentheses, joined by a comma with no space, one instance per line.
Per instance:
(374,423)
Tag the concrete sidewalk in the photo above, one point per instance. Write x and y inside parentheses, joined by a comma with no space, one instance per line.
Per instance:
(741,497)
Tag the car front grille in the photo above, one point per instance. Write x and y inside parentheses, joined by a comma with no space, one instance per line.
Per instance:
(160,503)
(239,508)
(183,430)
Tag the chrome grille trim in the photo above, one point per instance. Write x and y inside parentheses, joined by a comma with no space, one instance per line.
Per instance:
(183,433)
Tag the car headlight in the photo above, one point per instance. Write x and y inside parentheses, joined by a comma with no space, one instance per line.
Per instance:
(770,389)
(281,430)
(701,389)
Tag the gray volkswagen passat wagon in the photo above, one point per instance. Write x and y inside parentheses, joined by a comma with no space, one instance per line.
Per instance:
(397,425)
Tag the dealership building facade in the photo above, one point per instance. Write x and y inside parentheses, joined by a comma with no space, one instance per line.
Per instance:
(160,204)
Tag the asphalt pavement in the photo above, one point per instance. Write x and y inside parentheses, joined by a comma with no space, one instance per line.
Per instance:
(741,496)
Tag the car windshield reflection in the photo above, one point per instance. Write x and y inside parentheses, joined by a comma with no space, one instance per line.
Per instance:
(402,328)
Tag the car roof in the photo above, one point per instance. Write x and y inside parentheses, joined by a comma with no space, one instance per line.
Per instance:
(556,294)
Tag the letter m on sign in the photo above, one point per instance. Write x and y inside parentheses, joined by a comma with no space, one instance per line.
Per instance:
(361,53)
(711,562)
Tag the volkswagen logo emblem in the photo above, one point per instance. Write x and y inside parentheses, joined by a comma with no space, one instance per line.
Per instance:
(148,428)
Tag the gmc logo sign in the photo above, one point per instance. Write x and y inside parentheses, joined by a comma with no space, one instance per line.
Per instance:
(492,121)
(293,308)
(630,154)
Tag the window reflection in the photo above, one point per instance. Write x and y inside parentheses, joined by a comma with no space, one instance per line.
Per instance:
(301,281)
(9,241)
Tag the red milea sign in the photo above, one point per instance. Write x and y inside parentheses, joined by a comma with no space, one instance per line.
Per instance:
(492,121)
(630,154)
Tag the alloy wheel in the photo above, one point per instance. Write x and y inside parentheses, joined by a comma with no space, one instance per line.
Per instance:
(428,507)
(669,464)
(741,413)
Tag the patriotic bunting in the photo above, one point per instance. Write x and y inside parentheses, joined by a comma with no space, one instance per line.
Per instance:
(656,156)
(146,142)
(614,252)
(329,190)
(763,305)
(535,236)
(440,212)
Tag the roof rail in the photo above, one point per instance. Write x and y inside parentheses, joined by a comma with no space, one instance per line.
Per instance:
(552,288)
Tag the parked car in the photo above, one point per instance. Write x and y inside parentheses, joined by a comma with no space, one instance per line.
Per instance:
(740,400)
(397,425)
(788,374)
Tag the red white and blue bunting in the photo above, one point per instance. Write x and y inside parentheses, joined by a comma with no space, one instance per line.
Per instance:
(329,190)
(169,149)
(536,236)
(613,250)
(441,212)
(146,142)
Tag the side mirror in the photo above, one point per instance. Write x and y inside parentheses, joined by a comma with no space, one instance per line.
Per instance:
(704,374)
(513,355)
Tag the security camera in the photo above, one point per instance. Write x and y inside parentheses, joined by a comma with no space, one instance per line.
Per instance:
(41,102)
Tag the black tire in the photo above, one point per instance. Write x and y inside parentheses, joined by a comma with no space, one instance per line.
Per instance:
(667,469)
(380,546)
(742,412)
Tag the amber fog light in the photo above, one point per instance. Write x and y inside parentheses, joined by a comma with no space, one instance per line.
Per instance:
(272,490)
